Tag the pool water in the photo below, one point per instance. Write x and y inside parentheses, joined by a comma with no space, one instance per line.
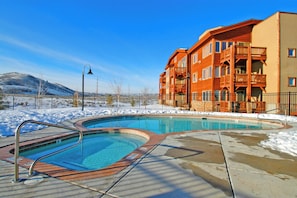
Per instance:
(163,125)
(96,151)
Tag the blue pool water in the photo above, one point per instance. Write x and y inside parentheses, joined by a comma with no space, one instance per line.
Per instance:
(163,125)
(95,152)
(103,149)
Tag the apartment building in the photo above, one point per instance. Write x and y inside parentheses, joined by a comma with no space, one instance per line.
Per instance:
(173,84)
(278,33)
(229,68)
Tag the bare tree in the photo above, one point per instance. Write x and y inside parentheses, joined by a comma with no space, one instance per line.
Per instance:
(117,89)
(42,90)
(145,93)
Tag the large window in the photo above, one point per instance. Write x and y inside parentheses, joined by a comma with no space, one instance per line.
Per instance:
(220,46)
(207,72)
(206,96)
(207,50)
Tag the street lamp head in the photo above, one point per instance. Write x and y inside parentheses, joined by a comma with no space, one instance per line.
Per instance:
(90,72)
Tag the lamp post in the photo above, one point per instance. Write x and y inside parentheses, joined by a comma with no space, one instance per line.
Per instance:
(83,85)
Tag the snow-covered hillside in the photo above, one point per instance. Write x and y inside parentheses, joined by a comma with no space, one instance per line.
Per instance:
(17,83)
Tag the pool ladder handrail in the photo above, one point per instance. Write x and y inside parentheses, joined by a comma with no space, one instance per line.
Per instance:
(17,142)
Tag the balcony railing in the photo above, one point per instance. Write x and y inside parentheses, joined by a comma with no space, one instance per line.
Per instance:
(259,79)
(242,80)
(256,107)
(181,72)
(257,53)
(180,89)
(225,81)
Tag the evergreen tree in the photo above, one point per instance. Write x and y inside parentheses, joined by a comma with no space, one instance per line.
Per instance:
(132,102)
(109,100)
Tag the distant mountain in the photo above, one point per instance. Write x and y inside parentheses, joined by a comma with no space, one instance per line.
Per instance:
(17,83)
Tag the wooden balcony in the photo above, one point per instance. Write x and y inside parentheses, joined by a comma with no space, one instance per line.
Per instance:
(241,107)
(181,72)
(241,52)
(225,81)
(258,53)
(258,80)
(241,80)
(180,89)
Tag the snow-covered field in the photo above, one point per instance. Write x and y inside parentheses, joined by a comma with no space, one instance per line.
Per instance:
(285,141)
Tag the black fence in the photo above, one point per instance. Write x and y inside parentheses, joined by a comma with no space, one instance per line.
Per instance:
(279,103)
(282,103)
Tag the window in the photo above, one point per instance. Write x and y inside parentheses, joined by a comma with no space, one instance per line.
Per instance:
(207,72)
(217,72)
(292,82)
(218,46)
(292,52)
(224,95)
(182,62)
(217,95)
(207,50)
(206,95)
(224,45)
(194,96)
(203,74)
(195,76)
(195,58)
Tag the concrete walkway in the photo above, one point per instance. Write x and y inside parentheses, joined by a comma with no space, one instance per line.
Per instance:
(194,164)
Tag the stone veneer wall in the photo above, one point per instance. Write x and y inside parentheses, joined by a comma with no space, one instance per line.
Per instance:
(202,106)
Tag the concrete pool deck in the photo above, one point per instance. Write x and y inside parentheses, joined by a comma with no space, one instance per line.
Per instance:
(195,164)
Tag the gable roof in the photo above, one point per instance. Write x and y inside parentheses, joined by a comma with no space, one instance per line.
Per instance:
(179,50)
(219,30)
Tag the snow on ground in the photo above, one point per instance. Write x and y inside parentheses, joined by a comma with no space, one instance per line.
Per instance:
(10,119)
(284,141)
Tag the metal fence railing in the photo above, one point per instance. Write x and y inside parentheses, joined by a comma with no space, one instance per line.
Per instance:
(278,103)
(17,102)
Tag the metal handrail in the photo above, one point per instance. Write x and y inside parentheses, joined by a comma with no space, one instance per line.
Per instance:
(17,142)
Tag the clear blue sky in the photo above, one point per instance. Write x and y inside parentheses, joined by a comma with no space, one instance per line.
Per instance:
(125,41)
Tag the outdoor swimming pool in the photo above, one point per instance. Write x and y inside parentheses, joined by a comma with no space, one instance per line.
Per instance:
(171,124)
(100,150)
(96,151)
